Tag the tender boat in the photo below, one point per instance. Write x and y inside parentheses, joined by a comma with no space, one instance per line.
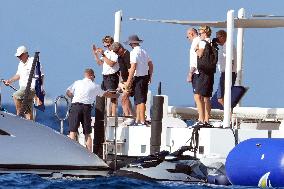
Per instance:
(29,147)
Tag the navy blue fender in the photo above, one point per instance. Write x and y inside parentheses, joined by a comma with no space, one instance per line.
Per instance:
(257,162)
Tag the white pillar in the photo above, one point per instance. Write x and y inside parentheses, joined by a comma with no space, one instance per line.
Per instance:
(117,25)
(228,70)
(240,49)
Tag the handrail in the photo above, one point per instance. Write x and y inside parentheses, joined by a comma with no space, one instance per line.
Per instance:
(56,113)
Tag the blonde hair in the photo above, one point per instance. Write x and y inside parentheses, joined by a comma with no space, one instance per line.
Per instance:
(206,29)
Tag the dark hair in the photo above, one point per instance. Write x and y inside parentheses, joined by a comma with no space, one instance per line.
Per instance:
(108,39)
(221,33)
(194,30)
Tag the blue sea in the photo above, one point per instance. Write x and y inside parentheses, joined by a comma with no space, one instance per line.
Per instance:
(49,119)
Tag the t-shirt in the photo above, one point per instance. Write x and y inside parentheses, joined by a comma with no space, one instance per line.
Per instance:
(24,70)
(222,58)
(85,91)
(124,65)
(193,55)
(107,70)
(140,57)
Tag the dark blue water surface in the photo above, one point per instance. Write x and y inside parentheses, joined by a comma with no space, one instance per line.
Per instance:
(34,181)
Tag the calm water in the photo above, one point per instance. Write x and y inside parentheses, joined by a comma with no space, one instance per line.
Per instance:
(33,181)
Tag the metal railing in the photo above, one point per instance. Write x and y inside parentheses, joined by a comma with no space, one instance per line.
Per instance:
(61,119)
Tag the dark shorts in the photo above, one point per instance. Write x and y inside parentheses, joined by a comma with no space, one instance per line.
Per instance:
(221,85)
(204,84)
(194,82)
(110,82)
(80,113)
(140,89)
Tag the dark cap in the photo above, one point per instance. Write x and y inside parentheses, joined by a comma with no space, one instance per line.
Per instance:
(133,39)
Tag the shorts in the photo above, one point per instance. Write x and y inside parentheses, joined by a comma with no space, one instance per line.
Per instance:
(205,84)
(110,82)
(221,86)
(194,82)
(80,113)
(19,95)
(140,89)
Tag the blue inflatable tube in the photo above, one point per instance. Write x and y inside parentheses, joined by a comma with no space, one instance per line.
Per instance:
(257,162)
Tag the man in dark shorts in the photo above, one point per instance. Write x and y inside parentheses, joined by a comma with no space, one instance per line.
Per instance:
(124,65)
(221,35)
(205,80)
(193,74)
(140,74)
(83,93)
(110,69)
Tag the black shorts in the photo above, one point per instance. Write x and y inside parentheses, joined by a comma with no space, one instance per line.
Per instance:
(205,84)
(80,113)
(110,82)
(140,89)
(194,82)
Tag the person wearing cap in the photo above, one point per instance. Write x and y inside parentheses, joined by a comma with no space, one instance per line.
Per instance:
(205,81)
(124,65)
(221,36)
(22,75)
(83,93)
(140,75)
(110,69)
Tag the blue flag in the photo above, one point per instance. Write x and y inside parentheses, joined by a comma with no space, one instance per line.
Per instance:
(38,88)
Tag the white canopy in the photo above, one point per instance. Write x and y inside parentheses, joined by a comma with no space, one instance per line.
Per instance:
(239,23)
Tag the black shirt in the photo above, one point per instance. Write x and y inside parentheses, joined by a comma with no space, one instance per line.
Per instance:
(124,65)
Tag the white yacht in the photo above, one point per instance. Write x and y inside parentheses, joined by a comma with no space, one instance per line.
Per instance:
(175,151)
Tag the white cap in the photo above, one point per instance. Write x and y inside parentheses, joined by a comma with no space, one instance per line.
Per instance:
(21,50)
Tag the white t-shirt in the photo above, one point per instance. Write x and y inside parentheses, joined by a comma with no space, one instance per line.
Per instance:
(140,57)
(202,43)
(193,55)
(107,70)
(222,58)
(24,70)
(85,91)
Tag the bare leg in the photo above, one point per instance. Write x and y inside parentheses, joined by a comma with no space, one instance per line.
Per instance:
(221,101)
(200,107)
(126,105)
(73,135)
(88,140)
(142,109)
(207,108)
(113,106)
(29,116)
(138,113)
(18,105)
